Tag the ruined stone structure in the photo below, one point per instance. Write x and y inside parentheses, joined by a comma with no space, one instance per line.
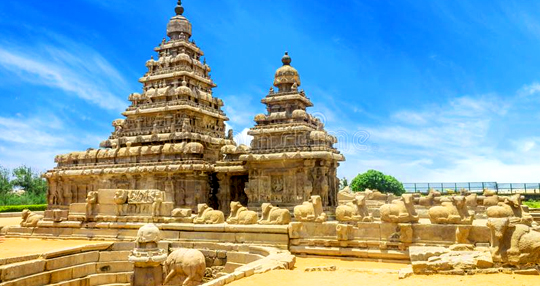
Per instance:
(173,139)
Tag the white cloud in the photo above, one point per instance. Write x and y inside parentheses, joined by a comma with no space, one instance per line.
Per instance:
(451,143)
(243,137)
(75,69)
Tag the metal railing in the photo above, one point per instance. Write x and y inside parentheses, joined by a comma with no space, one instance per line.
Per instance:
(474,187)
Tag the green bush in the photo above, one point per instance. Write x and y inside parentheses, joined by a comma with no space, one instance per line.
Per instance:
(25,199)
(376,180)
(10,209)
(532,204)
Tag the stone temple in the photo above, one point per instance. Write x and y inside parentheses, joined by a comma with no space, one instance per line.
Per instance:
(173,139)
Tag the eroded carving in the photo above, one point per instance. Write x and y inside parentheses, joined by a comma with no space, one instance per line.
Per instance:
(400,211)
(241,215)
(274,215)
(354,211)
(311,210)
(30,219)
(207,215)
(187,265)
(454,212)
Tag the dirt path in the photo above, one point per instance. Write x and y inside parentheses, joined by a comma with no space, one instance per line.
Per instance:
(346,275)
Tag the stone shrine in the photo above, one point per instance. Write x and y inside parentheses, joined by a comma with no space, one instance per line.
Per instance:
(173,139)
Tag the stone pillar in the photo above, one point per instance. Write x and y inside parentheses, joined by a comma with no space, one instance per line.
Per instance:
(148,258)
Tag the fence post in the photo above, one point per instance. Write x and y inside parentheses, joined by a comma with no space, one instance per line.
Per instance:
(442,188)
(415,188)
(511,189)
(470,186)
(525,185)
(455,187)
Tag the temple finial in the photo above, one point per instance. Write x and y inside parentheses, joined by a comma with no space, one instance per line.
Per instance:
(286,60)
(179,9)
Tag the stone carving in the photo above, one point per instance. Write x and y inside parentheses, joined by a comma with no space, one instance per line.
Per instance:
(91,202)
(30,219)
(472,200)
(454,212)
(510,208)
(354,211)
(241,215)
(514,243)
(207,215)
(429,200)
(399,211)
(187,264)
(147,257)
(274,215)
(182,213)
(157,198)
(120,199)
(343,231)
(311,210)
(375,195)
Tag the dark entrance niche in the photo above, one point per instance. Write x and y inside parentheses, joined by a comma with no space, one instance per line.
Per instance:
(238,185)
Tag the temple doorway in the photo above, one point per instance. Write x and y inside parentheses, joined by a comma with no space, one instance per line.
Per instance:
(238,185)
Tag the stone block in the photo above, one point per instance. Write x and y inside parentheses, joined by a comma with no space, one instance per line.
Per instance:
(210,236)
(107,256)
(114,266)
(230,267)
(242,258)
(123,246)
(84,270)
(21,269)
(423,253)
(32,280)
(61,275)
(72,260)
(367,231)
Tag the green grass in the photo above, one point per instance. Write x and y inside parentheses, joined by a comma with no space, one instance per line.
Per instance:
(10,209)
(25,199)
(532,204)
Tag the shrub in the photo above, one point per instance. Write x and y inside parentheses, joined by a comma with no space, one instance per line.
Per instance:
(532,204)
(9,209)
(376,180)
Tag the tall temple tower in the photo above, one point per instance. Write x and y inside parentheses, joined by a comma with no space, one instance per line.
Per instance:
(169,140)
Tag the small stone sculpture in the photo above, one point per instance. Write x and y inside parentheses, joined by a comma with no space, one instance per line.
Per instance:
(510,208)
(189,264)
(120,199)
(241,215)
(472,200)
(178,212)
(157,197)
(310,211)
(274,215)
(207,215)
(429,200)
(375,195)
(91,202)
(514,243)
(400,211)
(30,219)
(354,211)
(454,212)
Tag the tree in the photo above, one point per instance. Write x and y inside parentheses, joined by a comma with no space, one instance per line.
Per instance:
(376,180)
(5,184)
(343,183)
(29,180)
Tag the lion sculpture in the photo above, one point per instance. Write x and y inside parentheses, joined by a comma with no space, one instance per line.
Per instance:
(400,211)
(274,215)
(207,215)
(310,211)
(241,215)
(354,211)
(454,212)
(30,219)
(188,264)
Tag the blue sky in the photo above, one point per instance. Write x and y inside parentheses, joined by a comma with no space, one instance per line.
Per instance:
(423,90)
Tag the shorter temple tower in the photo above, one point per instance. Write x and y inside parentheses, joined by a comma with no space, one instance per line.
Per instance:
(291,158)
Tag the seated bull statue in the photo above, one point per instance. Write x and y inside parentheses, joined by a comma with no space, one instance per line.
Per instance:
(241,215)
(510,208)
(30,219)
(310,211)
(274,215)
(514,243)
(207,215)
(354,211)
(454,212)
(429,200)
(188,264)
(375,195)
(400,211)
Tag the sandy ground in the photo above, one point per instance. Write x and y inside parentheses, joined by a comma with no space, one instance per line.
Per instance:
(346,275)
(7,221)
(13,247)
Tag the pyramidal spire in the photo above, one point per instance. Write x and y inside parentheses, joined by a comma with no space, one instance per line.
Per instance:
(179,8)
